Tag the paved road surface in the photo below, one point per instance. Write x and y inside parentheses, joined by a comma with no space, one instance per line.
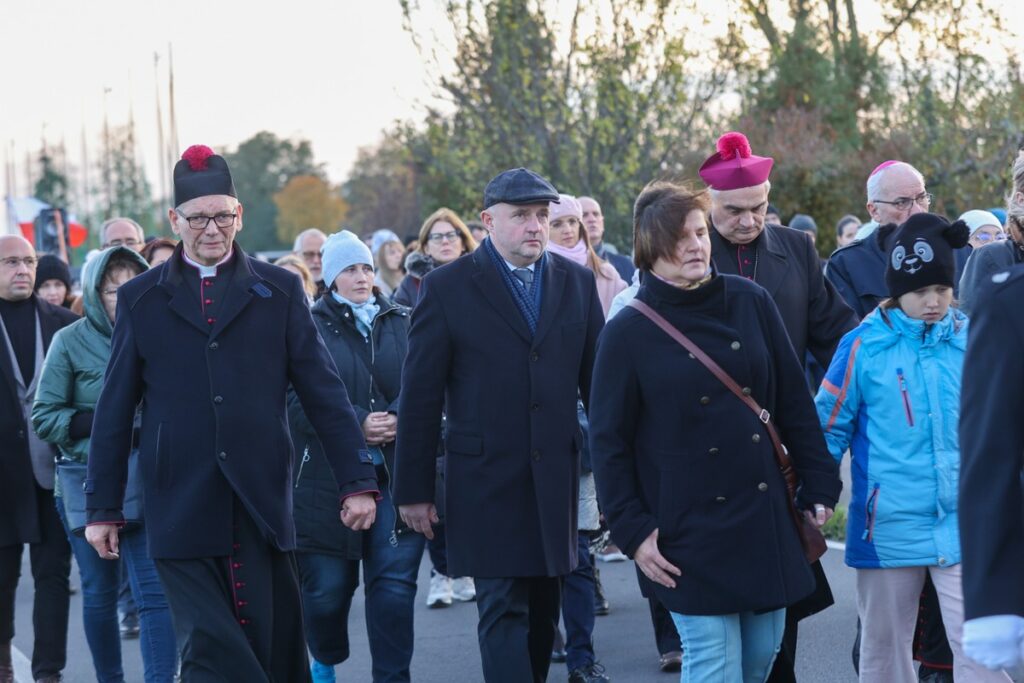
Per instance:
(446,647)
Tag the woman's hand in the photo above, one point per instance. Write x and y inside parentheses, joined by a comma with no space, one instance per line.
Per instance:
(653,564)
(380,428)
(359,511)
(820,515)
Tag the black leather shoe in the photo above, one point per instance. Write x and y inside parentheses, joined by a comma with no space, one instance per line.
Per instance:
(558,656)
(927,674)
(129,625)
(593,673)
(671,662)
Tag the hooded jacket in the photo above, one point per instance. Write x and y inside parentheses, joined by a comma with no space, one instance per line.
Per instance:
(892,396)
(74,368)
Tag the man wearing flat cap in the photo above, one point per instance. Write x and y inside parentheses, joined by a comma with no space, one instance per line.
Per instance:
(785,263)
(502,340)
(208,343)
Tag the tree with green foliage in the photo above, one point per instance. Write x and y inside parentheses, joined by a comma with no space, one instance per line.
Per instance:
(261,167)
(308,201)
(382,189)
(52,185)
(131,194)
(599,114)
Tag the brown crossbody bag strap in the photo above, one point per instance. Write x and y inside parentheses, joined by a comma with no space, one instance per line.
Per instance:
(810,537)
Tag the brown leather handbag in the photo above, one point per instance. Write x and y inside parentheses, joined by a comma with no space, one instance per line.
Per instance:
(810,536)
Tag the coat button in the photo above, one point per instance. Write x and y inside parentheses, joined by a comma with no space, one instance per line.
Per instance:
(720,499)
(762,487)
(535,407)
(536,454)
(535,356)
(21,433)
(222,455)
(218,399)
(735,346)
(214,346)
(746,391)
(704,400)
(712,451)
(756,438)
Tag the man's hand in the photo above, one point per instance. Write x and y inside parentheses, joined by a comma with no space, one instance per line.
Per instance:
(653,564)
(420,517)
(359,511)
(379,428)
(103,537)
(821,515)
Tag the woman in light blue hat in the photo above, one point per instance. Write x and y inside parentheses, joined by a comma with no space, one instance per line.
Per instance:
(366,335)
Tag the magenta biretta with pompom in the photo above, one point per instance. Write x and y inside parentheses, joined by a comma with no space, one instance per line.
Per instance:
(734,165)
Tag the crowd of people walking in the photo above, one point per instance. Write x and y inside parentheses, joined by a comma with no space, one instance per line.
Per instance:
(224,445)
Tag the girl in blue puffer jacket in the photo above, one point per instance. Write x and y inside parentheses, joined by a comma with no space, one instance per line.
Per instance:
(892,397)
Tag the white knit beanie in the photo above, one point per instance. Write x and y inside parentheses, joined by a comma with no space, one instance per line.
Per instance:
(341,250)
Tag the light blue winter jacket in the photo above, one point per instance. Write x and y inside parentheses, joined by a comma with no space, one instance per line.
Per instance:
(892,396)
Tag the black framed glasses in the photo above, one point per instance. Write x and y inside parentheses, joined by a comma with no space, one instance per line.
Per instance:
(199,222)
(923,200)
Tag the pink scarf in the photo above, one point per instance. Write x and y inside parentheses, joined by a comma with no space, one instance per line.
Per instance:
(577,253)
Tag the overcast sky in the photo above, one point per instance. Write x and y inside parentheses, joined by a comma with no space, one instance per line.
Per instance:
(334,72)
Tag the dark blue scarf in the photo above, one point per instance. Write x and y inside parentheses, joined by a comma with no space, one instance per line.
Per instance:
(528,304)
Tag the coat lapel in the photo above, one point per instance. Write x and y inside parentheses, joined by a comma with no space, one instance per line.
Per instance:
(551,303)
(238,294)
(48,323)
(496,293)
(771,261)
(7,370)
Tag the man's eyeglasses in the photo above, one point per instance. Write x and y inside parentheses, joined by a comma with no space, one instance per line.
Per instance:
(222,220)
(923,200)
(439,237)
(13,262)
(310,255)
(130,242)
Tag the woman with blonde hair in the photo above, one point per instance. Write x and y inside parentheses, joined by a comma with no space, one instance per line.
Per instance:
(443,238)
(298,266)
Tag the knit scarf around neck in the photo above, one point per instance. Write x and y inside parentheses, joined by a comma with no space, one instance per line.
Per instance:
(576,254)
(363,313)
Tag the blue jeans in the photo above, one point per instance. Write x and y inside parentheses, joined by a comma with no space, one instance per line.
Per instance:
(728,648)
(578,609)
(390,565)
(101,581)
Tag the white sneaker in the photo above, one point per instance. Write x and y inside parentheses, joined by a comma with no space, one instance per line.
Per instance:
(463,589)
(440,594)
(611,553)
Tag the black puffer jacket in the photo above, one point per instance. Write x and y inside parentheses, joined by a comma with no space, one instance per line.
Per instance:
(372,374)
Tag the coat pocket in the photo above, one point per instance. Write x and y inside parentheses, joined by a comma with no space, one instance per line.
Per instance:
(905,393)
(870,513)
(163,455)
(465,444)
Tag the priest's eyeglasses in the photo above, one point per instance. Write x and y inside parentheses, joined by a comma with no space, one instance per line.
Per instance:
(923,200)
(199,222)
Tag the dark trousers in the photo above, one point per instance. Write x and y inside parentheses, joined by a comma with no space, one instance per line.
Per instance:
(239,618)
(578,609)
(438,549)
(517,627)
(51,565)
(666,636)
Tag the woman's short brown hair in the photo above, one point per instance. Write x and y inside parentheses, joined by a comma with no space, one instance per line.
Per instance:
(658,217)
(448,216)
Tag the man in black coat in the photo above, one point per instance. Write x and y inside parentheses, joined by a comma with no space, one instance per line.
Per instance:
(27,512)
(992,458)
(784,262)
(503,341)
(209,343)
(593,221)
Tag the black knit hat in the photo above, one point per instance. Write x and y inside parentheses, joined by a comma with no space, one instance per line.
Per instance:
(920,252)
(199,173)
(51,267)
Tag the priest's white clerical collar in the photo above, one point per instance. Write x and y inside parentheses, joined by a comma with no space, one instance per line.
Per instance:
(207,271)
